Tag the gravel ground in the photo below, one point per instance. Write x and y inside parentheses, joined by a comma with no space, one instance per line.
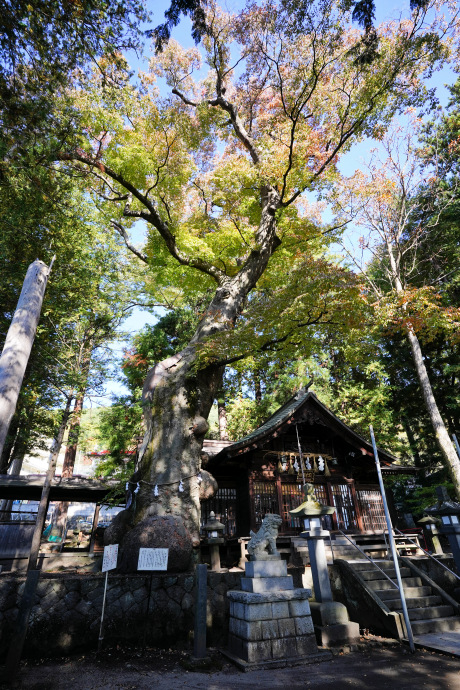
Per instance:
(377,664)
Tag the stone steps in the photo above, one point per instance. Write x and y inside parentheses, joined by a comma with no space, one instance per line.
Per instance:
(421,627)
(427,611)
(413,602)
(377,575)
(380,585)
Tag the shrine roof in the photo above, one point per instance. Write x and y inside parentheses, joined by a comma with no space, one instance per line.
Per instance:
(290,413)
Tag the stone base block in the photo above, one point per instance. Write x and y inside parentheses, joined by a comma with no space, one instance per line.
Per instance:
(266,650)
(250,651)
(275,663)
(253,606)
(337,635)
(261,585)
(266,569)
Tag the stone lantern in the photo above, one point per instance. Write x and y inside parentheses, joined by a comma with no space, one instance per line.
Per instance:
(332,624)
(449,512)
(214,537)
(310,511)
(430,530)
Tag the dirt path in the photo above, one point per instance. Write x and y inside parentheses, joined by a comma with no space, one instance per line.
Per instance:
(373,667)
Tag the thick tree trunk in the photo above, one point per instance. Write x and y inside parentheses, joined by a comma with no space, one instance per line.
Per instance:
(446,446)
(178,395)
(179,401)
(19,341)
(8,447)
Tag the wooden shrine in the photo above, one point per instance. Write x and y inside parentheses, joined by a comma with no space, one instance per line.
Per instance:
(262,473)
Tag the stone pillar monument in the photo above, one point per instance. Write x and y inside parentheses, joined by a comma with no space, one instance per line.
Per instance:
(270,620)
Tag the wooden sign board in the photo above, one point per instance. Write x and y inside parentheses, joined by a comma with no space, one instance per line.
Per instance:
(153,559)
(309,476)
(109,561)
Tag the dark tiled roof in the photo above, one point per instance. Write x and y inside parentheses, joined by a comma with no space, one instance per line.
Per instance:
(280,416)
(288,410)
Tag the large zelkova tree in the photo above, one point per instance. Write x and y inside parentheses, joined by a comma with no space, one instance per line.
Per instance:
(395,208)
(217,169)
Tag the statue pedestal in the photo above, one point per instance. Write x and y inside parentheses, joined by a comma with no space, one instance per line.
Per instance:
(270,621)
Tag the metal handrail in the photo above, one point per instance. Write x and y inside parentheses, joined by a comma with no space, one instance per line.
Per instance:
(428,554)
(368,558)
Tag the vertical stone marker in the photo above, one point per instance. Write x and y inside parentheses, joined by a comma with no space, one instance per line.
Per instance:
(201,597)
(270,620)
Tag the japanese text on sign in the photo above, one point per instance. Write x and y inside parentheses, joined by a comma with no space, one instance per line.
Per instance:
(153,559)
(110,557)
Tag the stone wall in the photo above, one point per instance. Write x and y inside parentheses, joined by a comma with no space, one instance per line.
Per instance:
(67,610)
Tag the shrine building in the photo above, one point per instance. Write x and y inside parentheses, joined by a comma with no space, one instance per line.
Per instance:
(264,472)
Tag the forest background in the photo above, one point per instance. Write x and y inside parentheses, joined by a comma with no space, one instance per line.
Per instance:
(359,364)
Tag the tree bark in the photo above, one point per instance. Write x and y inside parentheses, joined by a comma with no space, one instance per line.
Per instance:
(446,446)
(19,341)
(68,466)
(43,505)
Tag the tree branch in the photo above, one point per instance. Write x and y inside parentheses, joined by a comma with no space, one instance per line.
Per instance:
(122,232)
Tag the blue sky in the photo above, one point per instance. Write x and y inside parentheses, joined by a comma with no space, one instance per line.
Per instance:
(349,163)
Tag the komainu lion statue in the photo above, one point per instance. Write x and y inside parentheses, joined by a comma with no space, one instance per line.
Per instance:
(263,543)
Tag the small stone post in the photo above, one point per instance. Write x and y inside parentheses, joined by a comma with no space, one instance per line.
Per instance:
(201,598)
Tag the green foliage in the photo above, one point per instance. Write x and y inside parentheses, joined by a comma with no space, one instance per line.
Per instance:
(118,432)
(157,342)
(42,43)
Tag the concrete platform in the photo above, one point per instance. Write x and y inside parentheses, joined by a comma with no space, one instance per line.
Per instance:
(445,642)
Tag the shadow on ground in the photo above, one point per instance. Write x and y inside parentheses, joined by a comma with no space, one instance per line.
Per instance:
(375,665)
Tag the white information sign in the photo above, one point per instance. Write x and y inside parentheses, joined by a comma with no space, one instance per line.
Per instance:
(110,557)
(153,559)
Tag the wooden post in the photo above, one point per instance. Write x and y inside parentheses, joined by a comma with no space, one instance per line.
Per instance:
(252,503)
(359,517)
(330,494)
(26,603)
(19,341)
(92,538)
(279,494)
